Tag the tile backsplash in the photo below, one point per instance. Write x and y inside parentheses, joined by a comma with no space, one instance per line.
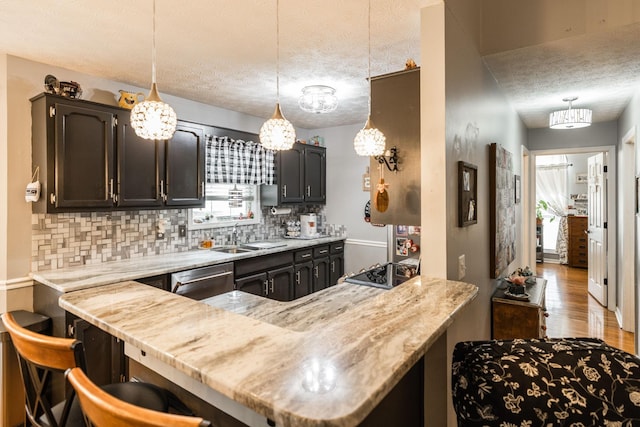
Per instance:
(66,240)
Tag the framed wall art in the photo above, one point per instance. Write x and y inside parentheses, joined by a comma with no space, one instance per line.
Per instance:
(516,185)
(467,194)
(502,213)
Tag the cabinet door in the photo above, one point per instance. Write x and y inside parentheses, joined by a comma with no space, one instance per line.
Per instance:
(303,284)
(290,168)
(140,167)
(84,144)
(280,283)
(320,273)
(184,179)
(336,268)
(105,357)
(315,174)
(254,284)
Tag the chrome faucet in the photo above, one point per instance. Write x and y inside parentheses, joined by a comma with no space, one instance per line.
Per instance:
(234,235)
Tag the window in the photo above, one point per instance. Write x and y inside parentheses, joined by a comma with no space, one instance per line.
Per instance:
(226,205)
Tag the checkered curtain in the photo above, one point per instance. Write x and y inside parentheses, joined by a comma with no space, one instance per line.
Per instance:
(232,161)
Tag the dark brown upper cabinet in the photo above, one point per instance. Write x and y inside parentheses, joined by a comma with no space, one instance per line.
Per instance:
(184,183)
(90,159)
(301,177)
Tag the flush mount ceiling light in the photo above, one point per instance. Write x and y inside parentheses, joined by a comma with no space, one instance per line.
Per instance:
(318,99)
(277,133)
(152,118)
(369,141)
(572,118)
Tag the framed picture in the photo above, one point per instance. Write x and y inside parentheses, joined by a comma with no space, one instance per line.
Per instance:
(516,184)
(502,211)
(581,178)
(467,194)
(402,230)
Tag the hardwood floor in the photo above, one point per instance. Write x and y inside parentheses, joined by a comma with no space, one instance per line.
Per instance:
(575,313)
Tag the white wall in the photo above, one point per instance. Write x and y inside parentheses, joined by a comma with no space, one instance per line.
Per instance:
(366,244)
(475,115)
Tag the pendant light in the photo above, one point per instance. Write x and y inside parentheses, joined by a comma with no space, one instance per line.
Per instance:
(277,133)
(369,141)
(152,118)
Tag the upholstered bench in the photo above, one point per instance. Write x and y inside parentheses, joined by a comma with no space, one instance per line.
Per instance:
(553,382)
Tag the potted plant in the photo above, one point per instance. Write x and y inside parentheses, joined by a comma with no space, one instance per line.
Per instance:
(540,207)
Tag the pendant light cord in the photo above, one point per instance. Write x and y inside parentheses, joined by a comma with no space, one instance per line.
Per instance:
(153,45)
(278,51)
(369,56)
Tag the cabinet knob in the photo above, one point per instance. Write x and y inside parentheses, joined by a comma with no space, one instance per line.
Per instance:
(284,190)
(266,287)
(544,328)
(272,285)
(546,314)
(308,191)
(315,271)
(298,277)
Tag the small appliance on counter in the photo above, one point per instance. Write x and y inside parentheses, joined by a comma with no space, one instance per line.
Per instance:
(308,226)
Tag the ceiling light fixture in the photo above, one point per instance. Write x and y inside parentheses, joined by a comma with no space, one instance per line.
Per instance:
(152,118)
(277,133)
(572,118)
(318,99)
(369,141)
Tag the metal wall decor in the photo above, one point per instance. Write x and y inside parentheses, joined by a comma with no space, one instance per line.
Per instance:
(467,194)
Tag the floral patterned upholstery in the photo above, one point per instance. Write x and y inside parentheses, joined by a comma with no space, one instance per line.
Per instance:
(574,382)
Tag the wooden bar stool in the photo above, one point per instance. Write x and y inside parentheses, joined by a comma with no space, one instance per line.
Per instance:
(103,410)
(40,356)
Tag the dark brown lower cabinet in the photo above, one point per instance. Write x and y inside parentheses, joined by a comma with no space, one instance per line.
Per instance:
(275,284)
(321,273)
(106,362)
(303,284)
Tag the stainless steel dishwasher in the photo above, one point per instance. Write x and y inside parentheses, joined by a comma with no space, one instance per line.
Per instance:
(204,282)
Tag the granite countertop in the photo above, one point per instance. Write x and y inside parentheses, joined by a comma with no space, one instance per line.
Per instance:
(263,354)
(87,276)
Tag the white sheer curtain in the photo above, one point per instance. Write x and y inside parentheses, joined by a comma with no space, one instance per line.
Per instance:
(551,186)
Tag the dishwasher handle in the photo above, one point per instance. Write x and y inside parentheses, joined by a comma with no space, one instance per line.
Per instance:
(200,279)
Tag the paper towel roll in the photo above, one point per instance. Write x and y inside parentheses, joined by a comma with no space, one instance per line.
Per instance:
(280,211)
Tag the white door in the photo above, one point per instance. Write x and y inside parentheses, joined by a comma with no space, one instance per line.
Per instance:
(597,232)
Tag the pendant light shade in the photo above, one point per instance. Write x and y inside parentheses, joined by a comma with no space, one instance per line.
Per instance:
(152,118)
(572,118)
(277,133)
(370,141)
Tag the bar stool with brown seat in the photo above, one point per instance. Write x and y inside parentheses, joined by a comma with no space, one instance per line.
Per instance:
(40,356)
(103,410)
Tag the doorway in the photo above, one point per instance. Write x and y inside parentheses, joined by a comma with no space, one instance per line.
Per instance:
(573,177)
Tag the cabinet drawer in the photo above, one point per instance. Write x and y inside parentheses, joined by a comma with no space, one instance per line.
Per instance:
(303,255)
(337,248)
(254,265)
(320,251)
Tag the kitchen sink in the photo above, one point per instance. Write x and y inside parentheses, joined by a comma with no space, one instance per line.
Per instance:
(232,249)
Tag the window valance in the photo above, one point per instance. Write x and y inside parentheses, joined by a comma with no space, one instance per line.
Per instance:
(232,161)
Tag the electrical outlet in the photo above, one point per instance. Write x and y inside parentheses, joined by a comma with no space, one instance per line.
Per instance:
(462,267)
(182,231)
(160,229)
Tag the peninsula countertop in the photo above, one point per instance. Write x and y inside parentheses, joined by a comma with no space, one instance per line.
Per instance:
(86,276)
(263,354)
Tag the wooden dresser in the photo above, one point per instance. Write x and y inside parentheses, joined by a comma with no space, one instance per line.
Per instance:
(519,319)
(577,249)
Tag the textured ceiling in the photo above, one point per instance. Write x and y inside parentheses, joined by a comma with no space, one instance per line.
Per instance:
(602,70)
(223,53)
